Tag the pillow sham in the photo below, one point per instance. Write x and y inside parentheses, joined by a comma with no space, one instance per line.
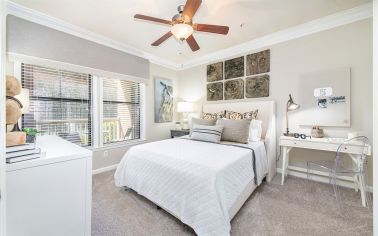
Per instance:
(255,130)
(235,130)
(232,115)
(207,133)
(213,116)
(197,121)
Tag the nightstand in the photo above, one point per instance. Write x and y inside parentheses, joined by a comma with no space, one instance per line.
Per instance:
(179,132)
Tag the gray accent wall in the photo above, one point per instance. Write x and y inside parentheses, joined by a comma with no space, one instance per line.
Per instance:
(31,39)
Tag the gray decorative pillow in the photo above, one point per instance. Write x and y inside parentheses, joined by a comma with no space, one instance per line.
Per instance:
(196,121)
(207,133)
(213,116)
(235,130)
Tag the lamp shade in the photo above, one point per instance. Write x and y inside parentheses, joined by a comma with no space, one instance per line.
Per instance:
(291,105)
(182,31)
(184,107)
(23,97)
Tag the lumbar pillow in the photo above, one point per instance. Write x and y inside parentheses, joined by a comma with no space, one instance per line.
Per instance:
(207,133)
(255,130)
(235,130)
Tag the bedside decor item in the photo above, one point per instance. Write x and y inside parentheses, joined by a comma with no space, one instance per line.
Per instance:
(13,112)
(185,108)
(215,72)
(234,68)
(257,87)
(163,100)
(234,89)
(215,91)
(258,63)
(290,106)
(317,132)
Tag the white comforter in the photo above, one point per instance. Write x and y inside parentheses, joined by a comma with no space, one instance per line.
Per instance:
(196,181)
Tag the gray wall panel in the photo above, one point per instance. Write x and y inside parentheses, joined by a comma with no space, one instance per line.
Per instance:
(28,38)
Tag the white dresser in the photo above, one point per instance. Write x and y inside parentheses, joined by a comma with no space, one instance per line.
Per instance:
(51,195)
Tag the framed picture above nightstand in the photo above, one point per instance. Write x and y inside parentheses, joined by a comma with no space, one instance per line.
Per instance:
(179,132)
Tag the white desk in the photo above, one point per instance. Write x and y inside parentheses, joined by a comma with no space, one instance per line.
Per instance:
(323,144)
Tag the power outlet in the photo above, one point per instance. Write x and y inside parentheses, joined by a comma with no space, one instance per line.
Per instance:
(106,153)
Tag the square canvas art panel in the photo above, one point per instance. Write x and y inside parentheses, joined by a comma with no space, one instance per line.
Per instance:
(163,100)
(215,91)
(257,87)
(258,63)
(234,89)
(234,68)
(215,72)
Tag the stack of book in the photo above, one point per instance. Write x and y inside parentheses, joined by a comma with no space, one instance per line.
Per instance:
(22,153)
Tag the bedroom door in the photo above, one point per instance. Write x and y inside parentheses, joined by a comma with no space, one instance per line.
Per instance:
(2,117)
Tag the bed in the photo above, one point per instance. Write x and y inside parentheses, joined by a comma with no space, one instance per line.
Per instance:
(203,184)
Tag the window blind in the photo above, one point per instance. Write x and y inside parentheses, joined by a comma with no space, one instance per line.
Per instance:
(60,103)
(121,110)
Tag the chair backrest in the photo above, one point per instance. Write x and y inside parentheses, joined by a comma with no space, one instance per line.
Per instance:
(358,146)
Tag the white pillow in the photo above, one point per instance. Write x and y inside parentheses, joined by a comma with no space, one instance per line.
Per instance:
(255,130)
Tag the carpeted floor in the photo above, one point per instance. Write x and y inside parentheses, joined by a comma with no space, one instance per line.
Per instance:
(297,208)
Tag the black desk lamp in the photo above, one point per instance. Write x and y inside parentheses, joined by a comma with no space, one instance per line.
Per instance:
(290,106)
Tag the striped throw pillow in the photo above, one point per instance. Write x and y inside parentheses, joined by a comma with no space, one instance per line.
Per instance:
(207,133)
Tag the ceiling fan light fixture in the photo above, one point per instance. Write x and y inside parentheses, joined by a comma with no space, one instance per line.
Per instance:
(182,31)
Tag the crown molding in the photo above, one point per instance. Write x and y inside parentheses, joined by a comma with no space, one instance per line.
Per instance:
(325,23)
(60,25)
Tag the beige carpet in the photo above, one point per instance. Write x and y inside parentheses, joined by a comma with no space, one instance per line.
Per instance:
(297,208)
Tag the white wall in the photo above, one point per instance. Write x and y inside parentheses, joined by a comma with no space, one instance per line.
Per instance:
(154,131)
(346,46)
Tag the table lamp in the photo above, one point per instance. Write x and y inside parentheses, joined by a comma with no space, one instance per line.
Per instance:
(290,106)
(184,108)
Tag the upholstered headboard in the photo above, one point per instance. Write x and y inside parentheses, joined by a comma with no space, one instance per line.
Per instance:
(267,114)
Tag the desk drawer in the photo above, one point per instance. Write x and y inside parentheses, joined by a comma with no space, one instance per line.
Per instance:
(290,143)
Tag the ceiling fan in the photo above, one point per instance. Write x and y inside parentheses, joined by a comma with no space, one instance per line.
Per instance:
(182,26)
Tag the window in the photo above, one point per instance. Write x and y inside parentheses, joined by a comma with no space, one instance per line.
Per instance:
(60,102)
(121,110)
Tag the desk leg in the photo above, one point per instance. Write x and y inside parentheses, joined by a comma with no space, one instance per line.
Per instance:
(285,162)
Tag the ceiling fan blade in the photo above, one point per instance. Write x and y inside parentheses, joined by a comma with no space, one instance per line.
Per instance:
(191,8)
(216,29)
(192,43)
(162,39)
(154,19)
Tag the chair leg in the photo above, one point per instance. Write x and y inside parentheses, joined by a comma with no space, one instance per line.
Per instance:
(356,184)
(336,191)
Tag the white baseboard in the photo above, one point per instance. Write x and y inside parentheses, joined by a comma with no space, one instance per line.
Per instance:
(319,177)
(104,169)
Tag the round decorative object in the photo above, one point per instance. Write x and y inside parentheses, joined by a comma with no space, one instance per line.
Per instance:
(317,132)
(13,86)
(13,112)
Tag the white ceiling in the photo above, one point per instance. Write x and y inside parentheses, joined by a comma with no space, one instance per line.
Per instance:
(114,19)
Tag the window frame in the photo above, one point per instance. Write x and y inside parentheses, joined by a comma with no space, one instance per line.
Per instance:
(96,102)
